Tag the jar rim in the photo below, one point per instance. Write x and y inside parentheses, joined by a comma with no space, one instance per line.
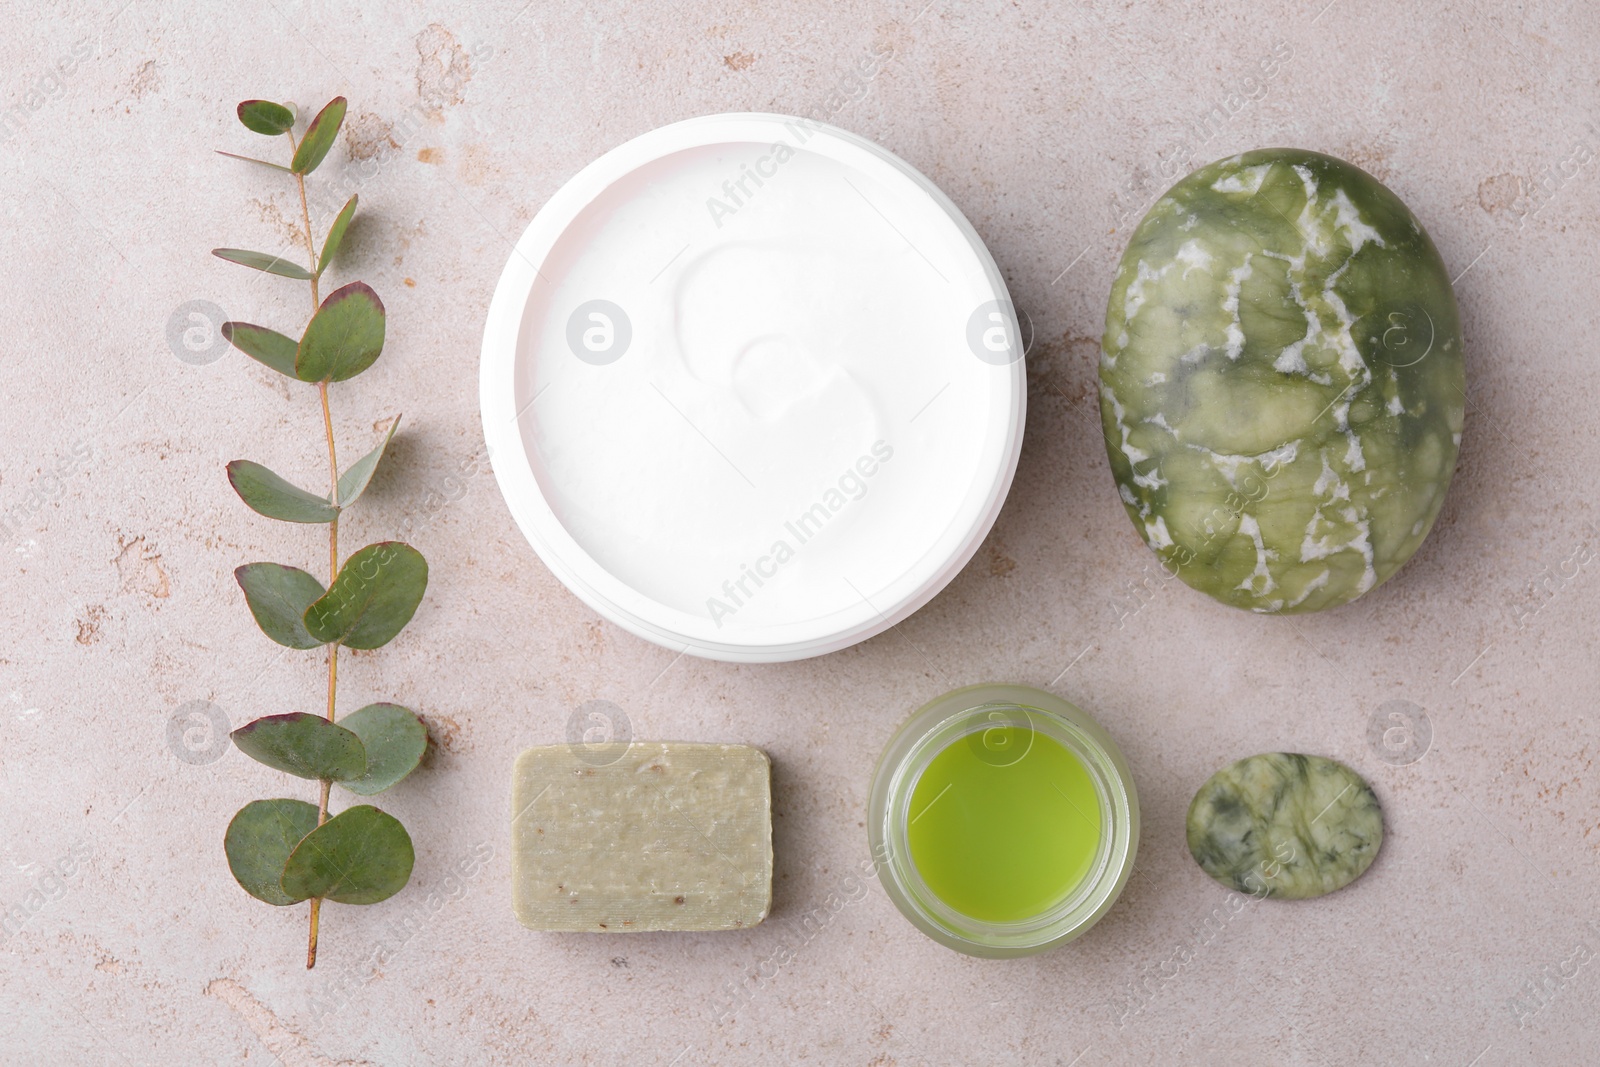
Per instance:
(965,713)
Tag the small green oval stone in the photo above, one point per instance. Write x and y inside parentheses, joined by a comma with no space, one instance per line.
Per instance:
(1285,825)
(1281,383)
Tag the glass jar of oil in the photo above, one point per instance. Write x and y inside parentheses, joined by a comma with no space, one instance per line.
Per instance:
(1003,820)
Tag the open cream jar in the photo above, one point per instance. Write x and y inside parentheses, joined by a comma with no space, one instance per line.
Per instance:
(752,387)
(1003,820)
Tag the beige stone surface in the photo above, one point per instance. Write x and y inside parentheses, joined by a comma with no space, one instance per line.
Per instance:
(1472,939)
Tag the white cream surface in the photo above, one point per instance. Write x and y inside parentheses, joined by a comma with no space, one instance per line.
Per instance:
(798,418)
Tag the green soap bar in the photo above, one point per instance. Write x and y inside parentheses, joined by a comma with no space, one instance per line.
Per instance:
(656,836)
(1281,382)
(1285,825)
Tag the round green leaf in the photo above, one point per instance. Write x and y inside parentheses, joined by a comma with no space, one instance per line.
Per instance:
(259,841)
(395,740)
(268,494)
(360,856)
(305,745)
(319,137)
(263,261)
(263,345)
(344,337)
(263,116)
(374,596)
(336,235)
(278,597)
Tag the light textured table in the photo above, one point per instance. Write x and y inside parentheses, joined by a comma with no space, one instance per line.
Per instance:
(1050,126)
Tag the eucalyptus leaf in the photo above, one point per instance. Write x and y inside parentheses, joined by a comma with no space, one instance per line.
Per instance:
(278,597)
(395,740)
(353,482)
(259,841)
(305,745)
(360,856)
(263,116)
(263,345)
(262,261)
(374,596)
(344,337)
(336,234)
(319,137)
(268,494)
(253,159)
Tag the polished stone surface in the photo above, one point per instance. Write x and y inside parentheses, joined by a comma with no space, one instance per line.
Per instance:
(1285,825)
(1463,689)
(1281,381)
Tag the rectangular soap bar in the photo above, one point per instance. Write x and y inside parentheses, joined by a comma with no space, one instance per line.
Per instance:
(667,836)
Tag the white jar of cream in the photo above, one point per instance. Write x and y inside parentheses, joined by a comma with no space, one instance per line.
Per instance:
(752,387)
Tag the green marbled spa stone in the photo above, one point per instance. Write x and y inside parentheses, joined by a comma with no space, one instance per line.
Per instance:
(1281,382)
(1285,825)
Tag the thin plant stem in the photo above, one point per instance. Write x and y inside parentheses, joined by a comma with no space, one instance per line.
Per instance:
(333,539)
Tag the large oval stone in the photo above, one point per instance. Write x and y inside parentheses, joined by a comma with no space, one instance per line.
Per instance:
(1281,381)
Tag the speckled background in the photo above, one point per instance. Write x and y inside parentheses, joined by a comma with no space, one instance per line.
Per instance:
(1472,941)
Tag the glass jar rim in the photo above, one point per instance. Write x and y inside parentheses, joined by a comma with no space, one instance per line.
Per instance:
(968,713)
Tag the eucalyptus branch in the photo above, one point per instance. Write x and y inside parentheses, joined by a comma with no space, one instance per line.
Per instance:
(287,851)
